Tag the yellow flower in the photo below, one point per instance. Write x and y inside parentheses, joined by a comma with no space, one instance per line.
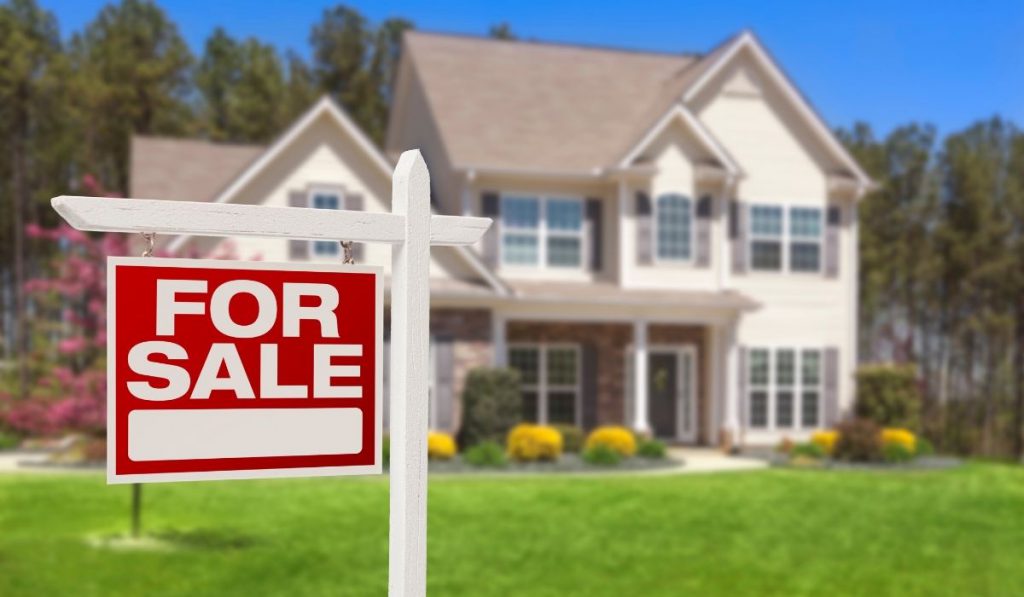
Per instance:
(902,437)
(826,440)
(528,442)
(617,438)
(440,446)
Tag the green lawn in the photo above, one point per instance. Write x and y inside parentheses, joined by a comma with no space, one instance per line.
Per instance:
(958,532)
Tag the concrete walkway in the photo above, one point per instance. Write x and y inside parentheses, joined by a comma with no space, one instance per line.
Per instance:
(710,460)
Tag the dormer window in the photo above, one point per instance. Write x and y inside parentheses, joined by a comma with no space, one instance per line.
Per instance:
(325,199)
(541,231)
(673,228)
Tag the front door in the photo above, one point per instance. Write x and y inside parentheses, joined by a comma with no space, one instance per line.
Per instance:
(663,374)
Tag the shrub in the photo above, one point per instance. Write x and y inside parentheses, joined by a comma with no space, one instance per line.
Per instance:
(888,395)
(900,437)
(896,452)
(826,440)
(617,438)
(440,446)
(486,454)
(785,446)
(492,405)
(651,448)
(572,438)
(924,447)
(528,442)
(602,455)
(385,450)
(808,450)
(8,440)
(859,441)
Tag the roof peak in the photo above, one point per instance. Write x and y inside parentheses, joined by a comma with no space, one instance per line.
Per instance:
(552,44)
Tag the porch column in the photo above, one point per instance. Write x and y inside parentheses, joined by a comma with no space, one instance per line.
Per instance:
(727,335)
(624,253)
(498,343)
(641,422)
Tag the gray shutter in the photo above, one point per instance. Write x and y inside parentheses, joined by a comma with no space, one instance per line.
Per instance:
(644,229)
(831,378)
(702,236)
(743,402)
(444,382)
(355,202)
(738,235)
(833,224)
(298,249)
(594,233)
(490,204)
(588,370)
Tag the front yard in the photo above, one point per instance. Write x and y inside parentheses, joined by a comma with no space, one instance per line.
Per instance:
(775,532)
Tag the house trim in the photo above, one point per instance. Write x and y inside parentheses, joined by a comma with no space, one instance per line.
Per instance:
(681,113)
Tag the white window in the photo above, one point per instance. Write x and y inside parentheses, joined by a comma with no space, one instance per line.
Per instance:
(785,240)
(542,231)
(550,381)
(673,222)
(325,199)
(784,388)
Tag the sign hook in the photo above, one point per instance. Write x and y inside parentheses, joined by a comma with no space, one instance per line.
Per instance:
(150,237)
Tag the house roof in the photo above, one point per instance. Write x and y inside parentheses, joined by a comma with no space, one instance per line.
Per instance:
(185,169)
(606,293)
(513,105)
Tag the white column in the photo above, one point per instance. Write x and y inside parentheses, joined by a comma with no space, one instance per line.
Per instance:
(498,340)
(728,344)
(640,399)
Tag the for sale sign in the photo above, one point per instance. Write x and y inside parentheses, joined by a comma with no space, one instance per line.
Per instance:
(229,370)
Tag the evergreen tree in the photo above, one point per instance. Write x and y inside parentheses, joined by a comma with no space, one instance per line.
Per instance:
(134,75)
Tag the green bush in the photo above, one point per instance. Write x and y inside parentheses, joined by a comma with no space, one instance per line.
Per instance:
(807,450)
(924,447)
(859,441)
(572,438)
(385,450)
(888,395)
(896,453)
(8,440)
(486,454)
(602,455)
(492,405)
(651,448)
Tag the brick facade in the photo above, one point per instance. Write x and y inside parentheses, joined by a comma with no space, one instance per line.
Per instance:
(470,331)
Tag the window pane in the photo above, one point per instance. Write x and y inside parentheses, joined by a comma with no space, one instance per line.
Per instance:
(805,257)
(527,362)
(325,247)
(809,409)
(325,201)
(766,254)
(811,367)
(765,220)
(520,249)
(530,407)
(562,407)
(565,214)
(673,225)
(784,409)
(759,409)
(562,366)
(758,367)
(785,367)
(564,251)
(520,212)
(805,222)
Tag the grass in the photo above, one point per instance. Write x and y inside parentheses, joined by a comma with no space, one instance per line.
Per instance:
(776,532)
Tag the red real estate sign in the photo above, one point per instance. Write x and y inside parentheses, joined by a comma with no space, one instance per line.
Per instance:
(232,370)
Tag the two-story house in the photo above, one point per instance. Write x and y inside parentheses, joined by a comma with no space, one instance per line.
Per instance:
(675,238)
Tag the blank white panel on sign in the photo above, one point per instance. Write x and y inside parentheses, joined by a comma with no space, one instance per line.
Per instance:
(194,434)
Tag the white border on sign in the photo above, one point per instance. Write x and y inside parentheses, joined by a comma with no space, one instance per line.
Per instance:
(330,471)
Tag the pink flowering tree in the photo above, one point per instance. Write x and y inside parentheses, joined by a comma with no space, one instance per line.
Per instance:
(69,333)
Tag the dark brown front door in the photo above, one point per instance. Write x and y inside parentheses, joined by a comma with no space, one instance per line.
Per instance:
(661,390)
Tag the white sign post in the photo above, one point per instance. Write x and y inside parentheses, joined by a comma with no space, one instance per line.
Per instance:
(411,229)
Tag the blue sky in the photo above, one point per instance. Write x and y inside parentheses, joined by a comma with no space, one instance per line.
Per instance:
(883,62)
